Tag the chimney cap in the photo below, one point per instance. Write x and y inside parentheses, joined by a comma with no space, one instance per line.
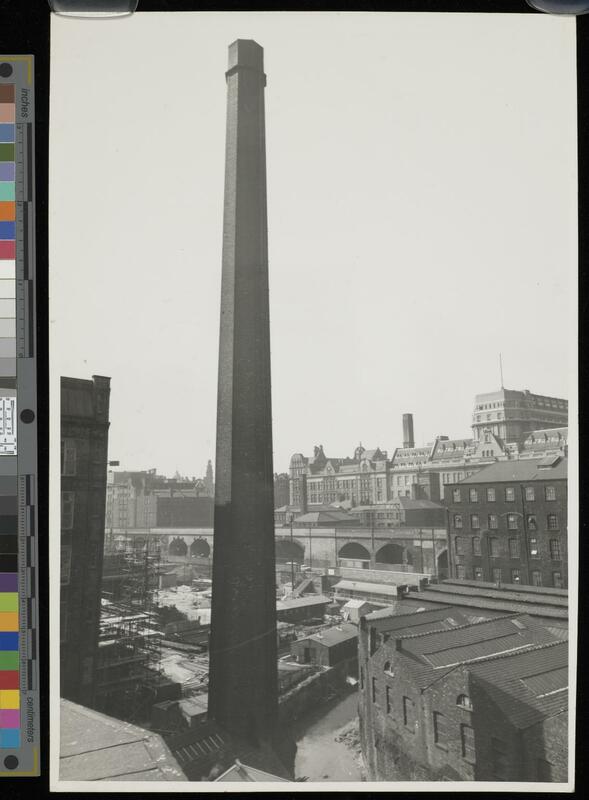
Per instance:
(246,53)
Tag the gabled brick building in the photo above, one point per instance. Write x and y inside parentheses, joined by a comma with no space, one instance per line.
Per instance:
(508,523)
(444,700)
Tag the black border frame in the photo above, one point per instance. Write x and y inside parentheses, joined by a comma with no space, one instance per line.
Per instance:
(25,28)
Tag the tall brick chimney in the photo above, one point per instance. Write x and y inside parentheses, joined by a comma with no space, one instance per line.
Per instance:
(243,676)
(408,438)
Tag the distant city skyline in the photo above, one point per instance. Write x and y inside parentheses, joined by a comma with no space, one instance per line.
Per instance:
(421,221)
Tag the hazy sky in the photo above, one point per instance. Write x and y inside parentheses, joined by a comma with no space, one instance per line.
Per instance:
(422,218)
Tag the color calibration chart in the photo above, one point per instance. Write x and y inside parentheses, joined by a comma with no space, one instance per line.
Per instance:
(19,681)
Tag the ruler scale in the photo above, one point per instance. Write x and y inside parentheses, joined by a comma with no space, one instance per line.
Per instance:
(19,671)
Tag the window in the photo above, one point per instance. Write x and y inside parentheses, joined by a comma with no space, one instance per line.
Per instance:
(476,545)
(441,733)
(408,713)
(536,578)
(387,669)
(514,548)
(67,510)
(361,677)
(555,549)
(68,457)
(557,580)
(550,493)
(515,576)
(464,701)
(496,571)
(473,495)
(530,494)
(493,522)
(490,495)
(389,700)
(374,690)
(533,545)
(456,495)
(460,572)
(509,494)
(494,547)
(474,522)
(478,573)
(467,742)
(512,522)
(458,520)
(499,761)
(459,545)
(531,522)
(552,522)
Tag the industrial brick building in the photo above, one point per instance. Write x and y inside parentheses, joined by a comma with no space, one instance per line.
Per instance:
(508,523)
(147,500)
(506,424)
(442,698)
(84,446)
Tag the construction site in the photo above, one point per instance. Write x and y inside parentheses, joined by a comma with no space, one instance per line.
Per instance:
(130,674)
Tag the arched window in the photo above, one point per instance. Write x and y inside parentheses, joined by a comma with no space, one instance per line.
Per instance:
(387,668)
(464,701)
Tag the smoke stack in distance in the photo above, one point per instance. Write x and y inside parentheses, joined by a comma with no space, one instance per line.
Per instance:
(408,438)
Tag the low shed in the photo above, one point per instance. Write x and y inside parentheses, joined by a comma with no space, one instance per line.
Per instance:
(328,647)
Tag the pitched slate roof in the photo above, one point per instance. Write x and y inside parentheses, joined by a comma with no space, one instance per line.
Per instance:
(335,635)
(521,470)
(434,654)
(243,774)
(529,686)
(512,587)
(409,504)
(557,598)
(96,747)
(436,619)
(482,601)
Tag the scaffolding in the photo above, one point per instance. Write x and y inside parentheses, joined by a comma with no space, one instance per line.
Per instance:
(129,677)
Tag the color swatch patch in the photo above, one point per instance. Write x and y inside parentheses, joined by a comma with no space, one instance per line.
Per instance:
(19,668)
(7,274)
(9,617)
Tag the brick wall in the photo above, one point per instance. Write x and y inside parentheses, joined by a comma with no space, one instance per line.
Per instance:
(546,743)
(530,552)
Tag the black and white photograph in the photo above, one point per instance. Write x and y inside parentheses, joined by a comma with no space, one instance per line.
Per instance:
(312,338)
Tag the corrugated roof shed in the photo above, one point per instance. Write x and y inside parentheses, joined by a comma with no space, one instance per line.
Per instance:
(559,600)
(445,618)
(438,652)
(492,604)
(528,687)
(95,747)
(519,588)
